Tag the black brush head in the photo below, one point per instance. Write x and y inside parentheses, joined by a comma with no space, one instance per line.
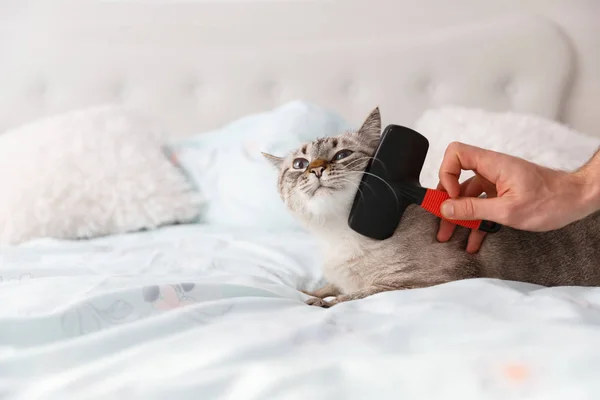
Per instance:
(398,160)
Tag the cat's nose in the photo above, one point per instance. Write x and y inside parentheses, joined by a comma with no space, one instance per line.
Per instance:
(318,171)
(317,167)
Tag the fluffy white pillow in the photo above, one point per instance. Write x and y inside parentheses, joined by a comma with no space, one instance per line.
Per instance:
(226,165)
(87,173)
(533,138)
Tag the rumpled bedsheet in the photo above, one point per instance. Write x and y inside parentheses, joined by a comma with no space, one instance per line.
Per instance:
(192,312)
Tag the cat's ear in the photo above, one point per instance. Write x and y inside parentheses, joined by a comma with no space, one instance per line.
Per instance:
(276,161)
(370,131)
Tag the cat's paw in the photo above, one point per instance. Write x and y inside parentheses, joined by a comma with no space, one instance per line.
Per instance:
(311,294)
(316,302)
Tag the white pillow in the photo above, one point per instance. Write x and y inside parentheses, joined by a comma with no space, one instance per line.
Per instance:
(533,138)
(87,173)
(226,165)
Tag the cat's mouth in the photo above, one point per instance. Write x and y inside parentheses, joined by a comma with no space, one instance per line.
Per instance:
(320,190)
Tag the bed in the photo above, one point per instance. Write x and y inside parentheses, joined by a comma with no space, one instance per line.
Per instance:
(197,311)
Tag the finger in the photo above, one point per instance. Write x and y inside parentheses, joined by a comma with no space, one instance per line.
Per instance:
(475,240)
(445,231)
(472,187)
(459,157)
(447,228)
(467,188)
(477,187)
(470,208)
(487,187)
(453,164)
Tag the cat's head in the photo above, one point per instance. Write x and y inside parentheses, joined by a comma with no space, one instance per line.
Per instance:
(319,180)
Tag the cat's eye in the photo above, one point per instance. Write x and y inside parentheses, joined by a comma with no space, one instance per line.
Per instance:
(342,154)
(300,163)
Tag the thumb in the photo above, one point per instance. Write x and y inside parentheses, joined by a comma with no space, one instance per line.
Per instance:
(470,208)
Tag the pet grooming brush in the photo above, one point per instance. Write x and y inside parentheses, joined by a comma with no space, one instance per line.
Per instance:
(391,183)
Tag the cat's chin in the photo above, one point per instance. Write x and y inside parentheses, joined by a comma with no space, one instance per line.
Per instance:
(322,191)
(328,204)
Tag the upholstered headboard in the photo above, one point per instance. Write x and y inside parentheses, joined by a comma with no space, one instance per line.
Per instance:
(198,64)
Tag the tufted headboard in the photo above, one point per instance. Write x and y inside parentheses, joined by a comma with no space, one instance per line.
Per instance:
(198,64)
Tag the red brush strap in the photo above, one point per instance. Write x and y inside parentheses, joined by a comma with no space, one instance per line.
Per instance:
(433,201)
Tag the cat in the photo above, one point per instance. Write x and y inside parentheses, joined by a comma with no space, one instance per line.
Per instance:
(318,183)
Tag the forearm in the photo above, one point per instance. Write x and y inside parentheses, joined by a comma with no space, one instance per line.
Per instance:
(590,176)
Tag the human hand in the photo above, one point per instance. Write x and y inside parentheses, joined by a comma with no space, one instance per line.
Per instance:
(519,194)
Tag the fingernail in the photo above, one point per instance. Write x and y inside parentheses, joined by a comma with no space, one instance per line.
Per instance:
(447,210)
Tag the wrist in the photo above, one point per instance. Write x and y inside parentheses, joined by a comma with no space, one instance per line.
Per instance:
(590,190)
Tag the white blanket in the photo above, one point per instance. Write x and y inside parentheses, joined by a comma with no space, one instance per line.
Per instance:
(189,312)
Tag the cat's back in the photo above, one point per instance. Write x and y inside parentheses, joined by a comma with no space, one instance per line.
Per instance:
(567,256)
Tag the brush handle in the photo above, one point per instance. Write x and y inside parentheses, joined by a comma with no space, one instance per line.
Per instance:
(432,202)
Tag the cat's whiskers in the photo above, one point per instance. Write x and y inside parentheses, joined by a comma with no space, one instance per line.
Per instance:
(350,182)
(341,174)
(354,162)
(382,180)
